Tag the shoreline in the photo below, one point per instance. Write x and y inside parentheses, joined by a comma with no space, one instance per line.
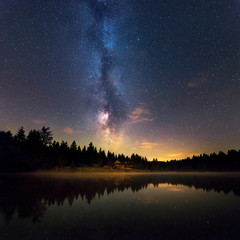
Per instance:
(101,171)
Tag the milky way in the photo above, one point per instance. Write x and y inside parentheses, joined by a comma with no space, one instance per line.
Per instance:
(154,77)
(108,95)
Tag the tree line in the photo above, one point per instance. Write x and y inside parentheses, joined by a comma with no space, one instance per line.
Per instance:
(37,150)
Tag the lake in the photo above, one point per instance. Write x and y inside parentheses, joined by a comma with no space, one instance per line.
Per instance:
(120,206)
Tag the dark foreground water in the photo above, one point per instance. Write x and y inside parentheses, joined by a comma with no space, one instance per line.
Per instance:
(120,206)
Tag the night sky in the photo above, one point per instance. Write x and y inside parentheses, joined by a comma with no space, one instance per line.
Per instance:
(160,78)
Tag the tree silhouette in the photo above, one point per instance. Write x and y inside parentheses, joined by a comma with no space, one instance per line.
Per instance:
(46,136)
(38,151)
(20,136)
(73,147)
(34,139)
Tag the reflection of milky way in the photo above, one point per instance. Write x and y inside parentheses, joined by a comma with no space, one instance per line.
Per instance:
(108,97)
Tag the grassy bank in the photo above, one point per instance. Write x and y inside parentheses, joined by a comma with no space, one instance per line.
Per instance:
(95,170)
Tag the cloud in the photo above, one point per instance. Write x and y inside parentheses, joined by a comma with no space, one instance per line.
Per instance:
(174,155)
(147,145)
(197,82)
(70,130)
(39,122)
(140,114)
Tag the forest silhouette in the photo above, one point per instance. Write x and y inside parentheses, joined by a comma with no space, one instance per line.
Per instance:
(38,151)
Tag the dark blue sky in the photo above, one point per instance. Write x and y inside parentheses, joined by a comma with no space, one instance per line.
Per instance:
(160,78)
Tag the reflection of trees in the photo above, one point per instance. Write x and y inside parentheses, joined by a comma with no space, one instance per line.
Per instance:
(29,196)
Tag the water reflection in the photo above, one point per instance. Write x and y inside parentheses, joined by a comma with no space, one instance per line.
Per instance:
(30,195)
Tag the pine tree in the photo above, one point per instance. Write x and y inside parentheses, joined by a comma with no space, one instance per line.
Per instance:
(20,136)
(46,136)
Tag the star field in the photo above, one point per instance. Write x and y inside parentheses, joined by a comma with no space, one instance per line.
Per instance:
(158,78)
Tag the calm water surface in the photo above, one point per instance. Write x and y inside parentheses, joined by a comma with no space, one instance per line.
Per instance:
(120,206)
